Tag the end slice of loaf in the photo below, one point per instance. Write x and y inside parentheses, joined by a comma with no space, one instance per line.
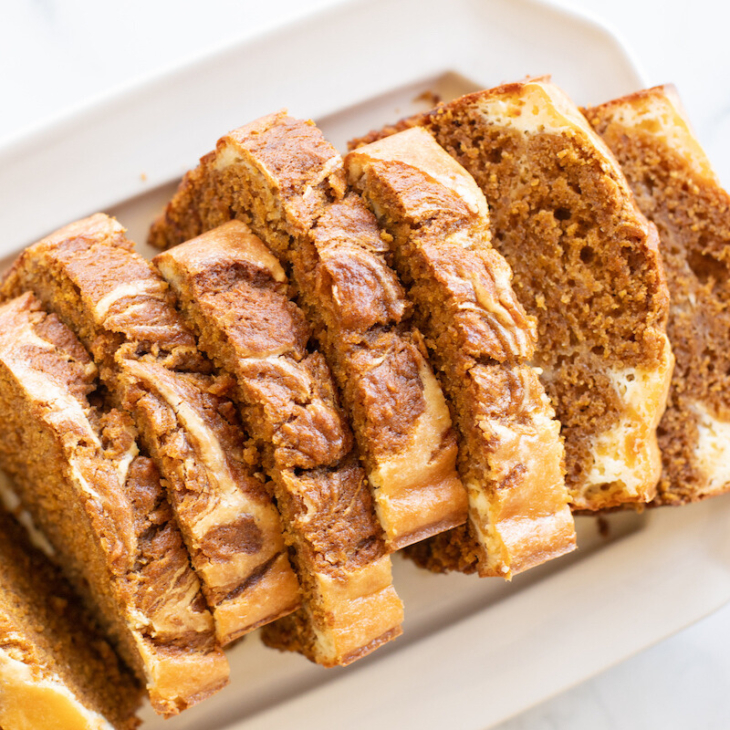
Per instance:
(53,661)
(676,188)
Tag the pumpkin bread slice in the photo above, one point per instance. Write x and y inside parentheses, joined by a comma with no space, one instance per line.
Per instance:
(676,188)
(56,670)
(236,296)
(480,339)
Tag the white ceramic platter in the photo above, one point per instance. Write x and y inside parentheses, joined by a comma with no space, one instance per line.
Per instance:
(474,651)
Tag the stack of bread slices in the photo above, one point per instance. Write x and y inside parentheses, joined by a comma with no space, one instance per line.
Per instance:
(480,321)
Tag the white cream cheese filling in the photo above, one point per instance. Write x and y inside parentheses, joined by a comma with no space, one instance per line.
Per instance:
(628,453)
(130,289)
(712,453)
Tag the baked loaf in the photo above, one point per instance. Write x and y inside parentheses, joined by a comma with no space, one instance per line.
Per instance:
(676,188)
(124,313)
(586,264)
(235,294)
(53,662)
(479,340)
(282,178)
(99,503)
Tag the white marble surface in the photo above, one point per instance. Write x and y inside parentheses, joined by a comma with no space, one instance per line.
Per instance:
(56,54)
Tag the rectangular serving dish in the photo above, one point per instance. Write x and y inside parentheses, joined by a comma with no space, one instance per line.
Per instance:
(474,651)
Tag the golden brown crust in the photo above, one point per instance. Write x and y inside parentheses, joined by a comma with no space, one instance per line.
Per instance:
(235,294)
(102,508)
(125,314)
(479,338)
(280,176)
(676,188)
(562,213)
